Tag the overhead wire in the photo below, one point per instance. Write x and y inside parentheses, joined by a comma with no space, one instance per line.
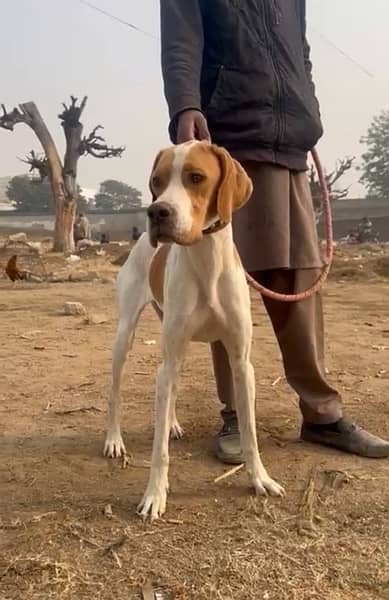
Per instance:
(118,19)
(342,52)
(134,27)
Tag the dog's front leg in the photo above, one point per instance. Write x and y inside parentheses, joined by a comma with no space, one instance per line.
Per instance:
(244,385)
(154,499)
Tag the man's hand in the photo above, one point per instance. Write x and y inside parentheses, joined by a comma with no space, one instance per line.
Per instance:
(192,125)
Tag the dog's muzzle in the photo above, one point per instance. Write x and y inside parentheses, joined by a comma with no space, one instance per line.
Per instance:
(162,218)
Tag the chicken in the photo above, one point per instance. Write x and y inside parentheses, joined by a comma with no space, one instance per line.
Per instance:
(12,270)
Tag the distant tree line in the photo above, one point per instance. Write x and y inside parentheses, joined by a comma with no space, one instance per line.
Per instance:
(25,195)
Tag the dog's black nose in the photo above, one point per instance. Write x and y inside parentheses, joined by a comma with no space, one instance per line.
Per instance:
(159,212)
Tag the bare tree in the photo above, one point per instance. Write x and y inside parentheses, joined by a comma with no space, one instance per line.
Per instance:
(63,177)
(336,193)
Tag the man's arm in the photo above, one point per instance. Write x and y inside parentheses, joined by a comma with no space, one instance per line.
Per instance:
(308,63)
(182,43)
(306,47)
(181,54)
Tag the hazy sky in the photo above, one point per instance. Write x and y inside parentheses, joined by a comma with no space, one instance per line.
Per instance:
(53,48)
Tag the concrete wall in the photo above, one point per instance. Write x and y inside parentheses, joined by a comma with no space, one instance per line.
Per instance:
(357,208)
(118,225)
(343,227)
(346,214)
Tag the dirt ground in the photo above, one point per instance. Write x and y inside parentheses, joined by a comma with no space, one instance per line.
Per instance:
(329,538)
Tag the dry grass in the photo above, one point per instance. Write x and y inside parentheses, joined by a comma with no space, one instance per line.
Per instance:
(59,540)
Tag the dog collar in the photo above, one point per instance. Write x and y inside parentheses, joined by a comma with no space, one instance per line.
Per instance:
(215,227)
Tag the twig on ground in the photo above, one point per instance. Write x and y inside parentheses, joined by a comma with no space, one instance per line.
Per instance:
(229,473)
(83,539)
(81,409)
(116,545)
(38,518)
(175,522)
(306,517)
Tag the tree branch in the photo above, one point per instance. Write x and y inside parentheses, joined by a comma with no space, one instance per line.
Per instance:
(71,114)
(8,120)
(95,145)
(342,166)
(37,163)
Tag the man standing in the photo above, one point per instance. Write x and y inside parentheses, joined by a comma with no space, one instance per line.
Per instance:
(81,229)
(135,235)
(239,72)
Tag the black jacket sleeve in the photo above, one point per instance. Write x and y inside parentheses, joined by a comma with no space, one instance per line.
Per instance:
(181,54)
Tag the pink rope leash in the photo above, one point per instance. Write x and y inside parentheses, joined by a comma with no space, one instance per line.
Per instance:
(328,253)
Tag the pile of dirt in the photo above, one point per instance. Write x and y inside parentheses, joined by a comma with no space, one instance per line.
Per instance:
(366,262)
(382,266)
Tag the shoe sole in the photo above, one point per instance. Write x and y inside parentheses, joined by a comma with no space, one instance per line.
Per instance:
(229,459)
(383,453)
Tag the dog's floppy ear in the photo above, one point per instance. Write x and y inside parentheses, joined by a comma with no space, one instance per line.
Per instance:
(235,187)
(156,160)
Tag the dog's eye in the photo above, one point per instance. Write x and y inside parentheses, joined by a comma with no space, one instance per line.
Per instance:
(196,178)
(156,181)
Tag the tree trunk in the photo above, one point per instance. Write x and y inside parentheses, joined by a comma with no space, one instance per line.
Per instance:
(65,209)
(64,203)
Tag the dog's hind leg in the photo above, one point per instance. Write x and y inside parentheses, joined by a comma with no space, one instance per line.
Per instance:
(133,295)
(176,431)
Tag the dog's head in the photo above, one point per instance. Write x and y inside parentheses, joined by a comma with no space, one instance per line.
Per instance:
(194,185)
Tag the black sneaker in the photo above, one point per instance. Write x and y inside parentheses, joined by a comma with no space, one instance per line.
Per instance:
(346,436)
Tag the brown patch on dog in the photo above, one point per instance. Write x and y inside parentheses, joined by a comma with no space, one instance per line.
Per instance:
(226,186)
(161,172)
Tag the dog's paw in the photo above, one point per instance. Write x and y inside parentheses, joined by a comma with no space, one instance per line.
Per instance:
(176,431)
(153,502)
(114,446)
(266,485)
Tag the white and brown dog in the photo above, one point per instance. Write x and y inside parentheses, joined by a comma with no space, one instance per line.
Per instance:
(188,268)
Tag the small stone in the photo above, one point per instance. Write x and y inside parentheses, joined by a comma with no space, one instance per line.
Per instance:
(107,511)
(74,309)
(73,258)
(95,319)
(18,237)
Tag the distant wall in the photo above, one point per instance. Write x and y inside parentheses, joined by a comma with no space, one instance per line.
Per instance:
(348,213)
(342,228)
(118,225)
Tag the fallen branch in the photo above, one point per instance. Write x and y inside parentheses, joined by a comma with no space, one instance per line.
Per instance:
(82,409)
